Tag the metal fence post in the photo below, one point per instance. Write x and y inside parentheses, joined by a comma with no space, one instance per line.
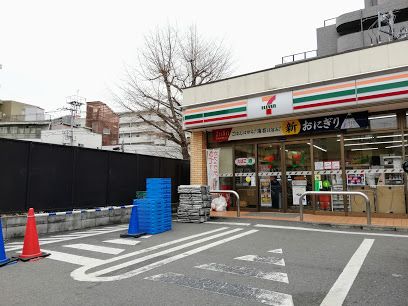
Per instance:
(344,193)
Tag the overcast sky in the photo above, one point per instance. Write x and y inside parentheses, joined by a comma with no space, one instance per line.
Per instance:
(52,48)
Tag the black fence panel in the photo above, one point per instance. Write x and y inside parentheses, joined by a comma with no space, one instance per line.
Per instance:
(91,178)
(51,177)
(13,175)
(124,178)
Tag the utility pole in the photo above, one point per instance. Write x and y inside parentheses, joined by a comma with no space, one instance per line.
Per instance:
(75,103)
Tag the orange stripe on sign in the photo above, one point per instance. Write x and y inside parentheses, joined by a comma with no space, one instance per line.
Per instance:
(203,109)
(266,98)
(383,79)
(320,89)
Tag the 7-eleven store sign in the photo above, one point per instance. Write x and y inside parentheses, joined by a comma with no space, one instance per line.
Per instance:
(267,106)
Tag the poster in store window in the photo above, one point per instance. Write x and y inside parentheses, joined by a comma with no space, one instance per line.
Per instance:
(265,190)
(213,168)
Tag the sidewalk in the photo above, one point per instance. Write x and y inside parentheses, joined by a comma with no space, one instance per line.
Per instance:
(380,223)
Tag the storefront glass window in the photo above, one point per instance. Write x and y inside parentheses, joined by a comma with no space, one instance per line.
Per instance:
(245,178)
(226,171)
(374,166)
(328,174)
(269,172)
(298,173)
(384,121)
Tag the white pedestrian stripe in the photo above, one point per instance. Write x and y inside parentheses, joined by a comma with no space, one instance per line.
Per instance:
(268,260)
(234,290)
(342,286)
(277,251)
(123,241)
(246,271)
(80,275)
(73,259)
(77,235)
(95,248)
(228,223)
(146,236)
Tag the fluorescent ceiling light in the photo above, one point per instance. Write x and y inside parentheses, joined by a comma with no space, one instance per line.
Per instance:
(364,149)
(359,138)
(372,143)
(317,147)
(382,117)
(398,146)
(389,136)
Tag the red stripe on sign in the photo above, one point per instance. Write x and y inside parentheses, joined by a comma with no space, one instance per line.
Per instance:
(193,122)
(225,118)
(325,103)
(384,95)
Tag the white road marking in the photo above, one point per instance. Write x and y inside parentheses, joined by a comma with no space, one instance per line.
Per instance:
(95,248)
(44,241)
(154,255)
(246,271)
(73,259)
(277,251)
(248,293)
(123,241)
(341,287)
(145,236)
(327,231)
(268,260)
(81,276)
(229,223)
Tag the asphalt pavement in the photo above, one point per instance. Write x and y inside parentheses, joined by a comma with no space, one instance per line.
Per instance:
(245,262)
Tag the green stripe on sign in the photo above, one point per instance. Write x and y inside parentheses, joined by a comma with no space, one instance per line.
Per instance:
(226,111)
(382,87)
(325,96)
(193,116)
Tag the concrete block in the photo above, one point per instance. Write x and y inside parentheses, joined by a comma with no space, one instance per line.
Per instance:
(42,228)
(115,219)
(15,232)
(76,222)
(41,220)
(87,223)
(16,221)
(102,214)
(102,221)
(88,215)
(56,227)
(56,219)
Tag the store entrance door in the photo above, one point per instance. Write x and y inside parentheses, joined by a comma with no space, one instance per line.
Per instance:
(298,173)
(270,176)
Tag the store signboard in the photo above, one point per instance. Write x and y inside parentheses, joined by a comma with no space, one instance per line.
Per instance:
(270,106)
(213,166)
(289,127)
(334,123)
(243,161)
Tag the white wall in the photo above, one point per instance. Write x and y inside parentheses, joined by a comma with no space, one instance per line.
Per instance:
(82,137)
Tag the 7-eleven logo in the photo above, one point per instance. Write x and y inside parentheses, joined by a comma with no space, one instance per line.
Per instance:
(269,104)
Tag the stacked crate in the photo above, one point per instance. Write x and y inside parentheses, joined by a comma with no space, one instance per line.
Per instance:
(155,209)
(195,203)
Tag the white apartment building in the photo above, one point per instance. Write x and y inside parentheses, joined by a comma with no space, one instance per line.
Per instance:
(137,136)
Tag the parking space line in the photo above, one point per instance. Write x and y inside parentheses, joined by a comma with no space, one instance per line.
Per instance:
(306,229)
(341,287)
(234,290)
(123,241)
(267,260)
(246,271)
(72,259)
(228,223)
(95,248)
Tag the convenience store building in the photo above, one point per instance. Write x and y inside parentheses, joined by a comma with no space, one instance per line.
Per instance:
(331,123)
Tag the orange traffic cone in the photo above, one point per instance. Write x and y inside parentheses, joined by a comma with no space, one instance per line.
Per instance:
(31,248)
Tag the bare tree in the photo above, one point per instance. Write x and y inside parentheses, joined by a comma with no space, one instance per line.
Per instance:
(169,62)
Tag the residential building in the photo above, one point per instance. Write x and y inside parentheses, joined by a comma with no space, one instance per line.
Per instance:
(137,136)
(22,121)
(103,120)
(335,122)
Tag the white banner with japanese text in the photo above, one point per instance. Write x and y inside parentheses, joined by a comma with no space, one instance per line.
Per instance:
(213,168)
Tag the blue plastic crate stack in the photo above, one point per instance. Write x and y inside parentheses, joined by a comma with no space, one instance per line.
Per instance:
(155,209)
